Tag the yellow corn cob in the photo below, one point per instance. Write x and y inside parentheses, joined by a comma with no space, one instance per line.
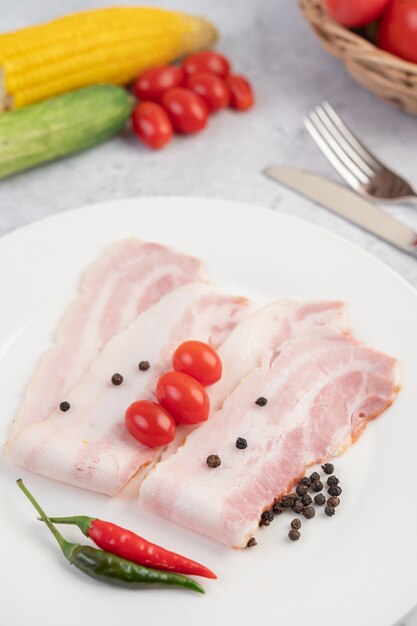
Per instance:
(101,46)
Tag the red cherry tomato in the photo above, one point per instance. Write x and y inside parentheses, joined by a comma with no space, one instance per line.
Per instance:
(153,83)
(212,89)
(199,360)
(150,423)
(355,13)
(207,61)
(241,94)
(187,111)
(398,29)
(184,397)
(151,124)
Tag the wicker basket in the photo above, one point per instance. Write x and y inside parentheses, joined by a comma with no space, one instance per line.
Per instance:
(390,78)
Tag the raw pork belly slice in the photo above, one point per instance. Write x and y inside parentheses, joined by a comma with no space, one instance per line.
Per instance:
(129,277)
(89,445)
(256,336)
(321,385)
(254,339)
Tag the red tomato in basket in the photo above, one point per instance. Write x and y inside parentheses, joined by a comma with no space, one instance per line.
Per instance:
(152,84)
(183,397)
(241,93)
(355,13)
(207,61)
(199,360)
(398,29)
(187,111)
(212,89)
(150,423)
(151,124)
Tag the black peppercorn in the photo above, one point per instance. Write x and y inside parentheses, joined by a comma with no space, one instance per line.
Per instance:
(314,476)
(332,480)
(261,401)
(305,481)
(288,501)
(334,490)
(144,365)
(277,508)
(241,443)
(296,524)
(333,501)
(65,406)
(298,507)
(117,379)
(252,542)
(329,510)
(317,486)
(294,535)
(266,518)
(301,490)
(309,512)
(306,500)
(213,460)
(320,499)
(328,468)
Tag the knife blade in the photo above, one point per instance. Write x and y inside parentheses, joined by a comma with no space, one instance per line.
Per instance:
(348,205)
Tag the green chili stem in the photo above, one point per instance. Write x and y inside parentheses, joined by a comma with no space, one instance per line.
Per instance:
(65,545)
(82,521)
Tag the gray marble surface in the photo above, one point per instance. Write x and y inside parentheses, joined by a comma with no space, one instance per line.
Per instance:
(267,40)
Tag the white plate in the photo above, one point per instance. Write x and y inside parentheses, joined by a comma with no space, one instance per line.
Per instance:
(359,567)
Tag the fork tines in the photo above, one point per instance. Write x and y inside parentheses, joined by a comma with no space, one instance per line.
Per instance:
(354,162)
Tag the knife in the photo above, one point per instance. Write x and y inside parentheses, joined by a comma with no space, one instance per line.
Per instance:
(347,204)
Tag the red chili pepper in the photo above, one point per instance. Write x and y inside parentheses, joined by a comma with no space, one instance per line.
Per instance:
(131,546)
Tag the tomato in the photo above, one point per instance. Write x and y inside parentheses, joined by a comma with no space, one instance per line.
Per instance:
(151,124)
(150,423)
(212,89)
(187,111)
(152,84)
(199,360)
(355,13)
(241,94)
(207,61)
(184,397)
(398,29)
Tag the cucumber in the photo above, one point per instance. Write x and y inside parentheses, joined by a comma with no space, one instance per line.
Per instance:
(61,126)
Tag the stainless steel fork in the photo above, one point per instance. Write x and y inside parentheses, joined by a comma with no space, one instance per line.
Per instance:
(353,161)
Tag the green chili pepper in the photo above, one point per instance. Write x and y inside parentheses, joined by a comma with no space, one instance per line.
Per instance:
(109,568)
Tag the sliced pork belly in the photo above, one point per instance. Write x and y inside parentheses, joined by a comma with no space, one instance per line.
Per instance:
(129,277)
(266,329)
(89,445)
(322,387)
(254,339)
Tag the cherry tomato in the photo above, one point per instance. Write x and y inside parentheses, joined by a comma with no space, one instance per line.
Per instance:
(184,397)
(199,360)
(187,111)
(241,94)
(151,124)
(354,13)
(207,61)
(150,423)
(398,29)
(212,89)
(151,84)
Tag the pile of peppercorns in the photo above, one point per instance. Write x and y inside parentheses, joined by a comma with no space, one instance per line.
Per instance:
(301,502)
